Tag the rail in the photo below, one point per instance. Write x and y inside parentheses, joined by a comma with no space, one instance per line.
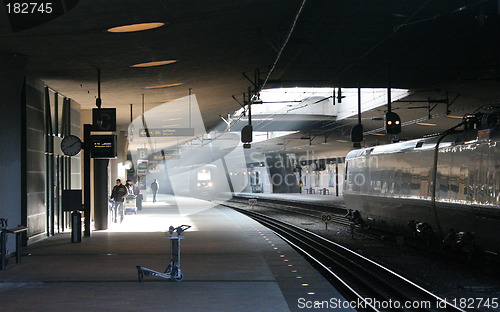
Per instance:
(360,278)
(337,213)
(297,203)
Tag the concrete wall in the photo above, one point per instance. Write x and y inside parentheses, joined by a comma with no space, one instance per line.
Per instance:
(28,150)
(76,161)
(12,143)
(35,153)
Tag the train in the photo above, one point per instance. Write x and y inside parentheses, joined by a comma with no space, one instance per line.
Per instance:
(207,181)
(197,180)
(444,188)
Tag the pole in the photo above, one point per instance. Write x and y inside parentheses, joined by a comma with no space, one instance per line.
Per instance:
(389,101)
(189,107)
(249,106)
(131,113)
(99,83)
(86,178)
(337,178)
(359,105)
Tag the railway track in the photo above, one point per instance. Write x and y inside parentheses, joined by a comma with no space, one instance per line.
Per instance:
(373,286)
(311,206)
(315,211)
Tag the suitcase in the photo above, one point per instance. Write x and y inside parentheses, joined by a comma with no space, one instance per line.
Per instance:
(130,205)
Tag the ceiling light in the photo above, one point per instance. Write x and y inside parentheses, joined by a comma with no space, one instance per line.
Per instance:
(164,86)
(377,133)
(152,64)
(135,27)
(171,119)
(456,117)
(426,124)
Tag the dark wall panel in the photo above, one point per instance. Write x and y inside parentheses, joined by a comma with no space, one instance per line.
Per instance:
(35,116)
(12,144)
(33,144)
(35,163)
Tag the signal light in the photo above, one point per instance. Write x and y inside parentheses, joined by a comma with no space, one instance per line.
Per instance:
(246,136)
(357,134)
(392,123)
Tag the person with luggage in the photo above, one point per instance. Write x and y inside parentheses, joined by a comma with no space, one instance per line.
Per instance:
(130,187)
(138,198)
(131,200)
(118,194)
(154,188)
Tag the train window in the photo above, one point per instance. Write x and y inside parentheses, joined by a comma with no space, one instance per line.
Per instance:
(367,152)
(204,175)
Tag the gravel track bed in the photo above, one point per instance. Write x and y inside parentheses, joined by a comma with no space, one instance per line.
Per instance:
(452,276)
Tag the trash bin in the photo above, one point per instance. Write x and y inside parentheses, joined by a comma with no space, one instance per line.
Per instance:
(76,227)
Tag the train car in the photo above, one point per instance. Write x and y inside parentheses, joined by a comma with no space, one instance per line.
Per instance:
(204,181)
(445,188)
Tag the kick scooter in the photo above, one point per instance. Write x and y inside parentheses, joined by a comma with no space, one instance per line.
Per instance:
(173,270)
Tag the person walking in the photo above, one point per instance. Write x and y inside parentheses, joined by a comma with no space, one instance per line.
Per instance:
(137,193)
(130,187)
(154,188)
(118,194)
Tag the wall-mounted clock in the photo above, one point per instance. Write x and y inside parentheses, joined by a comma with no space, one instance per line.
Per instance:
(71,145)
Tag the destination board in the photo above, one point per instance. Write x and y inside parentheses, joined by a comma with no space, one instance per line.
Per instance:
(166,132)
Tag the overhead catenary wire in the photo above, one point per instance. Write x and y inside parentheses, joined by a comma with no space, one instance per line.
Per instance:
(351,64)
(347,68)
(290,32)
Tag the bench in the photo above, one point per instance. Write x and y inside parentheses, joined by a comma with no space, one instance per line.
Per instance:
(310,191)
(3,244)
(324,191)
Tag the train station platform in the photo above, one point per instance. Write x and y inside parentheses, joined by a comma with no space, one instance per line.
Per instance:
(318,199)
(229,262)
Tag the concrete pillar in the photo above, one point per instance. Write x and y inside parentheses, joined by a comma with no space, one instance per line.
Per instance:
(281,173)
(101,190)
(13,140)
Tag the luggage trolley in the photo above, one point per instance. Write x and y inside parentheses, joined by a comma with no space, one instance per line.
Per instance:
(130,205)
(173,270)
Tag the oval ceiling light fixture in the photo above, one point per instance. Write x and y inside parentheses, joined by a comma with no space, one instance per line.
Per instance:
(152,64)
(164,86)
(135,27)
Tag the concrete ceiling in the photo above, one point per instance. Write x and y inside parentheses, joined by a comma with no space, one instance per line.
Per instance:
(437,49)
